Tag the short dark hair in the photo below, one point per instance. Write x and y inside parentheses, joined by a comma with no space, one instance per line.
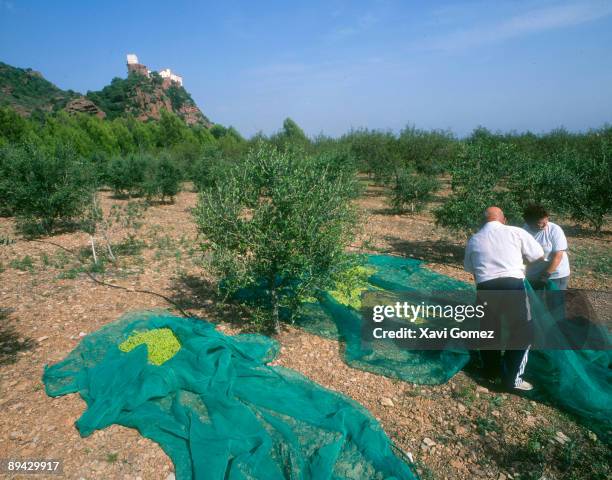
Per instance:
(534,212)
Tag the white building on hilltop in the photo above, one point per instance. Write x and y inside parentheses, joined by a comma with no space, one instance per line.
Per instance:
(167,73)
(134,67)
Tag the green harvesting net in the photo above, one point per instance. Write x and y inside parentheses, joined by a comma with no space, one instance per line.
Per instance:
(219,411)
(578,381)
(216,407)
(335,318)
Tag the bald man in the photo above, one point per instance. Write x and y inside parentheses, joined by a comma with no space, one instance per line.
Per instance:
(495,256)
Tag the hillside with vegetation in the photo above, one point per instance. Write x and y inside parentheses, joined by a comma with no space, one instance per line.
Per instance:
(144,98)
(27,91)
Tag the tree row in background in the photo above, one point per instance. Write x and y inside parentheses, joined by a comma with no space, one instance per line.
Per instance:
(569,172)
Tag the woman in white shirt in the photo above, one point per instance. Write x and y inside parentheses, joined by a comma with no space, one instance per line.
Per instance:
(555,266)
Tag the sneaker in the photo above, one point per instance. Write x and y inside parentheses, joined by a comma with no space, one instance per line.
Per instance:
(524,386)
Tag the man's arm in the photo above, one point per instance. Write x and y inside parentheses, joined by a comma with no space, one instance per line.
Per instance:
(532,251)
(467,259)
(559,245)
(553,263)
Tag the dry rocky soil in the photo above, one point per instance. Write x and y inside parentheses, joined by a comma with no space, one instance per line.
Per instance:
(459,430)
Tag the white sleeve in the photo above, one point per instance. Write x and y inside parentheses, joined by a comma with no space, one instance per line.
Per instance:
(467,260)
(557,239)
(530,248)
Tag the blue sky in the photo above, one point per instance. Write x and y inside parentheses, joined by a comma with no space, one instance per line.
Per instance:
(333,65)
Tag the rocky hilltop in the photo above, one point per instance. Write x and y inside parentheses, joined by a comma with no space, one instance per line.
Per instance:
(145,97)
(27,91)
(143,94)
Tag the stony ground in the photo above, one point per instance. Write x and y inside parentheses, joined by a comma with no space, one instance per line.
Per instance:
(459,430)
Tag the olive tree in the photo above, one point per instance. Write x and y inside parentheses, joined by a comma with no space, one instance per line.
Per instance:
(412,191)
(482,175)
(277,225)
(43,188)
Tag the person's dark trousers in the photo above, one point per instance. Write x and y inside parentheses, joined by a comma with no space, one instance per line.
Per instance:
(505,299)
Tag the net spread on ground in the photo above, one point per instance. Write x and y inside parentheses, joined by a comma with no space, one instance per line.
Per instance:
(220,411)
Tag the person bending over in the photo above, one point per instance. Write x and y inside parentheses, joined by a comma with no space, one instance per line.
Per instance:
(494,255)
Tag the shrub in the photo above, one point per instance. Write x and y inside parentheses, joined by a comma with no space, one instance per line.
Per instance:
(413,191)
(163,178)
(481,176)
(208,168)
(584,186)
(291,136)
(277,224)
(43,188)
(127,174)
(430,152)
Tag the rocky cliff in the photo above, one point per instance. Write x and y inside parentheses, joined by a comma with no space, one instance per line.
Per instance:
(141,96)
(145,97)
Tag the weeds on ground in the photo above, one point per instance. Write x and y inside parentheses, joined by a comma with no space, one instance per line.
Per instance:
(112,457)
(425,473)
(592,260)
(6,240)
(485,425)
(465,393)
(24,264)
(541,454)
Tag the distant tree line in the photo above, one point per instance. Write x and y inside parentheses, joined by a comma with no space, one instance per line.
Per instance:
(568,172)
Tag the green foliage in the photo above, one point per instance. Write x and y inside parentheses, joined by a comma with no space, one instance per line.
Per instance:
(179,97)
(376,153)
(484,425)
(278,223)
(209,168)
(126,175)
(112,457)
(592,260)
(585,186)
(429,152)
(27,91)
(43,188)
(571,174)
(172,130)
(291,136)
(465,393)
(139,174)
(385,155)
(161,344)
(413,191)
(23,264)
(119,97)
(135,94)
(219,131)
(480,177)
(164,179)
(13,127)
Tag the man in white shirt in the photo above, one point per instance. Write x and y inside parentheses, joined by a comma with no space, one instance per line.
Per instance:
(495,256)
(550,236)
